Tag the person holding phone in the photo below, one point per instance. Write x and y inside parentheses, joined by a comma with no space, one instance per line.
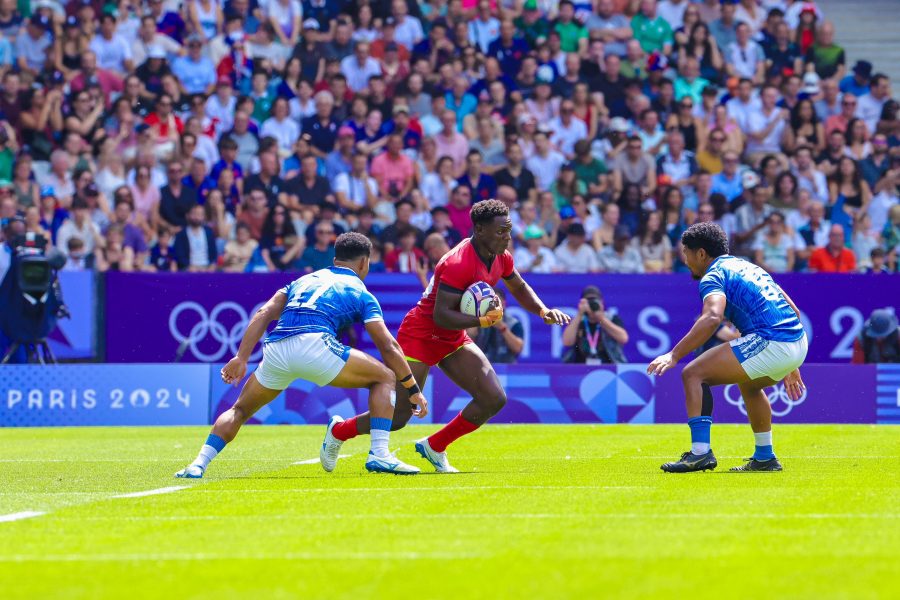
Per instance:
(595,335)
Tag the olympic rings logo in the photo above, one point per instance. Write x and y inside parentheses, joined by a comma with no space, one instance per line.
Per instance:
(782,404)
(209,325)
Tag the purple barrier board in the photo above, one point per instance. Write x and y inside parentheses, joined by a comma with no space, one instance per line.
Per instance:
(606,394)
(200,317)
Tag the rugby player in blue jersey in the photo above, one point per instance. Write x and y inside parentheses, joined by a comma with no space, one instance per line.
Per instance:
(771,348)
(310,311)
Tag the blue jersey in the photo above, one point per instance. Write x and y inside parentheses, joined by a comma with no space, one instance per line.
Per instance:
(326,301)
(755,303)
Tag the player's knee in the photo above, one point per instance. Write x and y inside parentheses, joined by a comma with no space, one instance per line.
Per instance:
(690,374)
(494,401)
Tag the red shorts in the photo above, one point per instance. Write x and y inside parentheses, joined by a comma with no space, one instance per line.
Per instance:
(422,341)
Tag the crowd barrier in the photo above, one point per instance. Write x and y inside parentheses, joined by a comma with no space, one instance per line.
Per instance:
(166,394)
(201,317)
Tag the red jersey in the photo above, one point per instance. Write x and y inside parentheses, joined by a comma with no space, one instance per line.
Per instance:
(460,268)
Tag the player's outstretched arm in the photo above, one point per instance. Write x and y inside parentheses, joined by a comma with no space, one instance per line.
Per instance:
(527,299)
(235,369)
(703,329)
(392,355)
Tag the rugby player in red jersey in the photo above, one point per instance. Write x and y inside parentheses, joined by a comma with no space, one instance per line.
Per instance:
(433,333)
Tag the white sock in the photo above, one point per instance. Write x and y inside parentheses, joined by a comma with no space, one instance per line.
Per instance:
(764,438)
(699,448)
(380,439)
(207,453)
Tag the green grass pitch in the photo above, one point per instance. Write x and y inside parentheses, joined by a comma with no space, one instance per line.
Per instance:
(539,512)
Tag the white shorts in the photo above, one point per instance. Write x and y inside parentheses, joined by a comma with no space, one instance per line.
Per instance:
(765,358)
(315,357)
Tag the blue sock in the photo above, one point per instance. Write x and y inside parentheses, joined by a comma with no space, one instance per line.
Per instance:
(763,447)
(380,433)
(700,427)
(214,444)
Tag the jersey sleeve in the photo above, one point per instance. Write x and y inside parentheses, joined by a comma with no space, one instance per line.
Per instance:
(370,309)
(456,273)
(509,264)
(712,283)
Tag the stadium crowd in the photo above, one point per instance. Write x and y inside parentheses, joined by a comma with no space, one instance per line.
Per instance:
(245,135)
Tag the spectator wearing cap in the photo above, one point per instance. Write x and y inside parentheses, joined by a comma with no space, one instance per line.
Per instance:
(483,186)
(195,244)
(532,23)
(879,340)
(621,256)
(51,214)
(870,106)
(113,51)
(750,219)
(575,255)
(195,71)
(833,257)
(534,256)
(652,31)
(33,44)
(857,83)
(595,335)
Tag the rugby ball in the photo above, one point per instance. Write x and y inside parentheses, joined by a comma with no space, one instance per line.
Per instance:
(477,299)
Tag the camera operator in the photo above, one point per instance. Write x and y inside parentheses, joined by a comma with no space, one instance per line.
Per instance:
(594,336)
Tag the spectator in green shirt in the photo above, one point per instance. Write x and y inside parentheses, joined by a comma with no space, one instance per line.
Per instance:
(572,34)
(826,56)
(532,24)
(651,30)
(590,170)
(689,82)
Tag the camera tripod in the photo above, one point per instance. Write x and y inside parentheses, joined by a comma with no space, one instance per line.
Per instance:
(36,352)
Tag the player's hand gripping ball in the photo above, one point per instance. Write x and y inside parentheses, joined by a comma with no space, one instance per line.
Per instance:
(479,300)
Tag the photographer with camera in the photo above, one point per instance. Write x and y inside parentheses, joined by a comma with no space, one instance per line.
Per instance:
(594,336)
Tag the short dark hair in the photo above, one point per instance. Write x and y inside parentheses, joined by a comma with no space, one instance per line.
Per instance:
(486,210)
(350,246)
(708,236)
(227,143)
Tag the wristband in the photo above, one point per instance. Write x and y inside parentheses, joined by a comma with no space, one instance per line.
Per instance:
(414,389)
(405,379)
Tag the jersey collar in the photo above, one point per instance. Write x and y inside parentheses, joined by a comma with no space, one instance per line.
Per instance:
(333,269)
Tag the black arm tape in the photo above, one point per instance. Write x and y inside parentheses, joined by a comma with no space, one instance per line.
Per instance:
(413,389)
(407,378)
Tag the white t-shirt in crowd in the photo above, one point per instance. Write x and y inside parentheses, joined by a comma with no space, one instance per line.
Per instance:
(582,260)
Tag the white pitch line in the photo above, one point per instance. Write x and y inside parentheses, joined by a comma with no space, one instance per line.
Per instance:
(201,556)
(315,461)
(447,488)
(156,492)
(27,514)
